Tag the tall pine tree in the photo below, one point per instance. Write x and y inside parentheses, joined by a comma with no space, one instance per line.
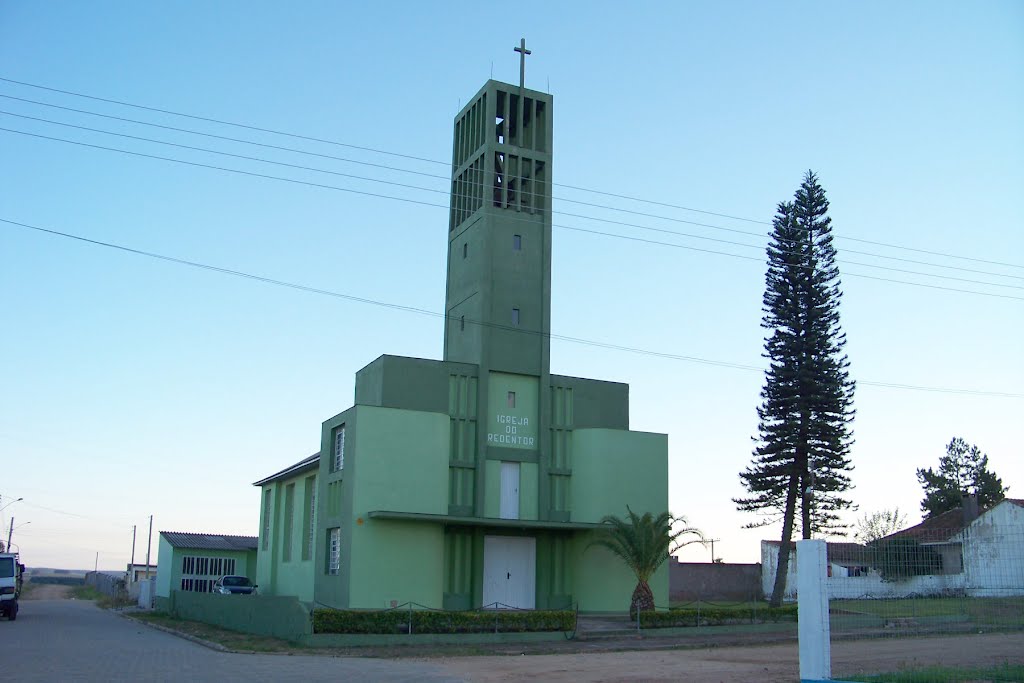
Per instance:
(801,461)
(964,469)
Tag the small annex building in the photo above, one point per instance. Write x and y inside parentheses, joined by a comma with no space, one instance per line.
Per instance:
(193,562)
(479,479)
(963,551)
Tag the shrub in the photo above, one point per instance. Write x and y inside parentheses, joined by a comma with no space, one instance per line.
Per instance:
(397,621)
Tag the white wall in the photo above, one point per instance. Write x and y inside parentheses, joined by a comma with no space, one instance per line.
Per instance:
(994,552)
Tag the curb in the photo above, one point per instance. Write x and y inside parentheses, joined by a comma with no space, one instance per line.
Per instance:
(186,636)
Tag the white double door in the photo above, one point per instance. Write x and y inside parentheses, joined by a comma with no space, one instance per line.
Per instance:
(510,571)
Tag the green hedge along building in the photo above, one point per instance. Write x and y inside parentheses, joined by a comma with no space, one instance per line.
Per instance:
(479,479)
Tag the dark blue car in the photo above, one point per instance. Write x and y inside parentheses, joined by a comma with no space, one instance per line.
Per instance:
(234,585)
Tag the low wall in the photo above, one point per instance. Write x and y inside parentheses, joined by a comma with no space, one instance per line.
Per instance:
(265,615)
(689,581)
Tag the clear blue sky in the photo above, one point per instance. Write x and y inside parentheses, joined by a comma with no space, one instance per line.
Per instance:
(133,387)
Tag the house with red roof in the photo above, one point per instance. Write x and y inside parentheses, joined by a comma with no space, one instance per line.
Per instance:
(959,552)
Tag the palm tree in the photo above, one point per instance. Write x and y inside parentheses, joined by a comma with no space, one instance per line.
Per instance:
(644,542)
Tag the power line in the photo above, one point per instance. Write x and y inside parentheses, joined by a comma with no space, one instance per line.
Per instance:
(227,138)
(227,123)
(645,214)
(752,258)
(434,314)
(565,199)
(448,164)
(443,206)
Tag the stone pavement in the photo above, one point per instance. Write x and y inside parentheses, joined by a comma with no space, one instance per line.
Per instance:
(73,640)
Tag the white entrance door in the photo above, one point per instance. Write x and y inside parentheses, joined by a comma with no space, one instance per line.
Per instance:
(509,490)
(510,571)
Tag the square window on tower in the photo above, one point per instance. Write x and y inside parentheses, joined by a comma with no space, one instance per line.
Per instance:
(515,316)
(517,242)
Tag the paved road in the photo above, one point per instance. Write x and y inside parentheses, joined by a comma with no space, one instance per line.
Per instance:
(73,640)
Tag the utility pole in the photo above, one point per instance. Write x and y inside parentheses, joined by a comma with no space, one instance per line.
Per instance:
(9,532)
(96,567)
(712,542)
(149,545)
(131,567)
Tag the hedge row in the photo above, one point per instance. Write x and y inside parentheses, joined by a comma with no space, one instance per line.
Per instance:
(711,616)
(397,621)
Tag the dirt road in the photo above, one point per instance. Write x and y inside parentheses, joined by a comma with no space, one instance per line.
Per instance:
(772,663)
(45,591)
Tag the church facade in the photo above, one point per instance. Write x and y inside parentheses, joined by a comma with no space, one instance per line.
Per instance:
(478,479)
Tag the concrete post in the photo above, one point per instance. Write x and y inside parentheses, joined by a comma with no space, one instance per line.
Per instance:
(812,611)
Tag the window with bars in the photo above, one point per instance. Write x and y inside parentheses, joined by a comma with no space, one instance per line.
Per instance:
(339,449)
(199,573)
(334,551)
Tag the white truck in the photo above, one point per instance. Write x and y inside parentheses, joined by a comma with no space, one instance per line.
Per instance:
(11,571)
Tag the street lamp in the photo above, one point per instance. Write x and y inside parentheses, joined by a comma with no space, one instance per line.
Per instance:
(11,503)
(11,530)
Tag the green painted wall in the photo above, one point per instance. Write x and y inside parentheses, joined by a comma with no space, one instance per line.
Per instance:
(408,383)
(266,567)
(512,427)
(492,488)
(164,568)
(528,477)
(280,617)
(399,463)
(612,469)
(596,403)
(277,575)
(396,562)
(400,460)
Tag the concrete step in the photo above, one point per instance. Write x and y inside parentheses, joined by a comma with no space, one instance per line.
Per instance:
(605,626)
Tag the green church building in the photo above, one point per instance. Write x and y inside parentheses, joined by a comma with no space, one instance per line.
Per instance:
(479,479)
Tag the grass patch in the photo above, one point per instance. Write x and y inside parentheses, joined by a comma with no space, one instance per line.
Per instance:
(233,640)
(102,600)
(747,606)
(85,593)
(932,674)
(1005,611)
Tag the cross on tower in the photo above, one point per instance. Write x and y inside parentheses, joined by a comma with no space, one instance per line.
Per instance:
(522,61)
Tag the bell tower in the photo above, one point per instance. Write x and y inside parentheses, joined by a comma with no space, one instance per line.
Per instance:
(499,232)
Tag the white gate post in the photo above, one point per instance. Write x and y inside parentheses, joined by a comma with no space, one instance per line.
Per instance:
(812,610)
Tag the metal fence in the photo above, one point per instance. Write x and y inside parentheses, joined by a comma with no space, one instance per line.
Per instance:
(965,581)
(110,584)
(935,581)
